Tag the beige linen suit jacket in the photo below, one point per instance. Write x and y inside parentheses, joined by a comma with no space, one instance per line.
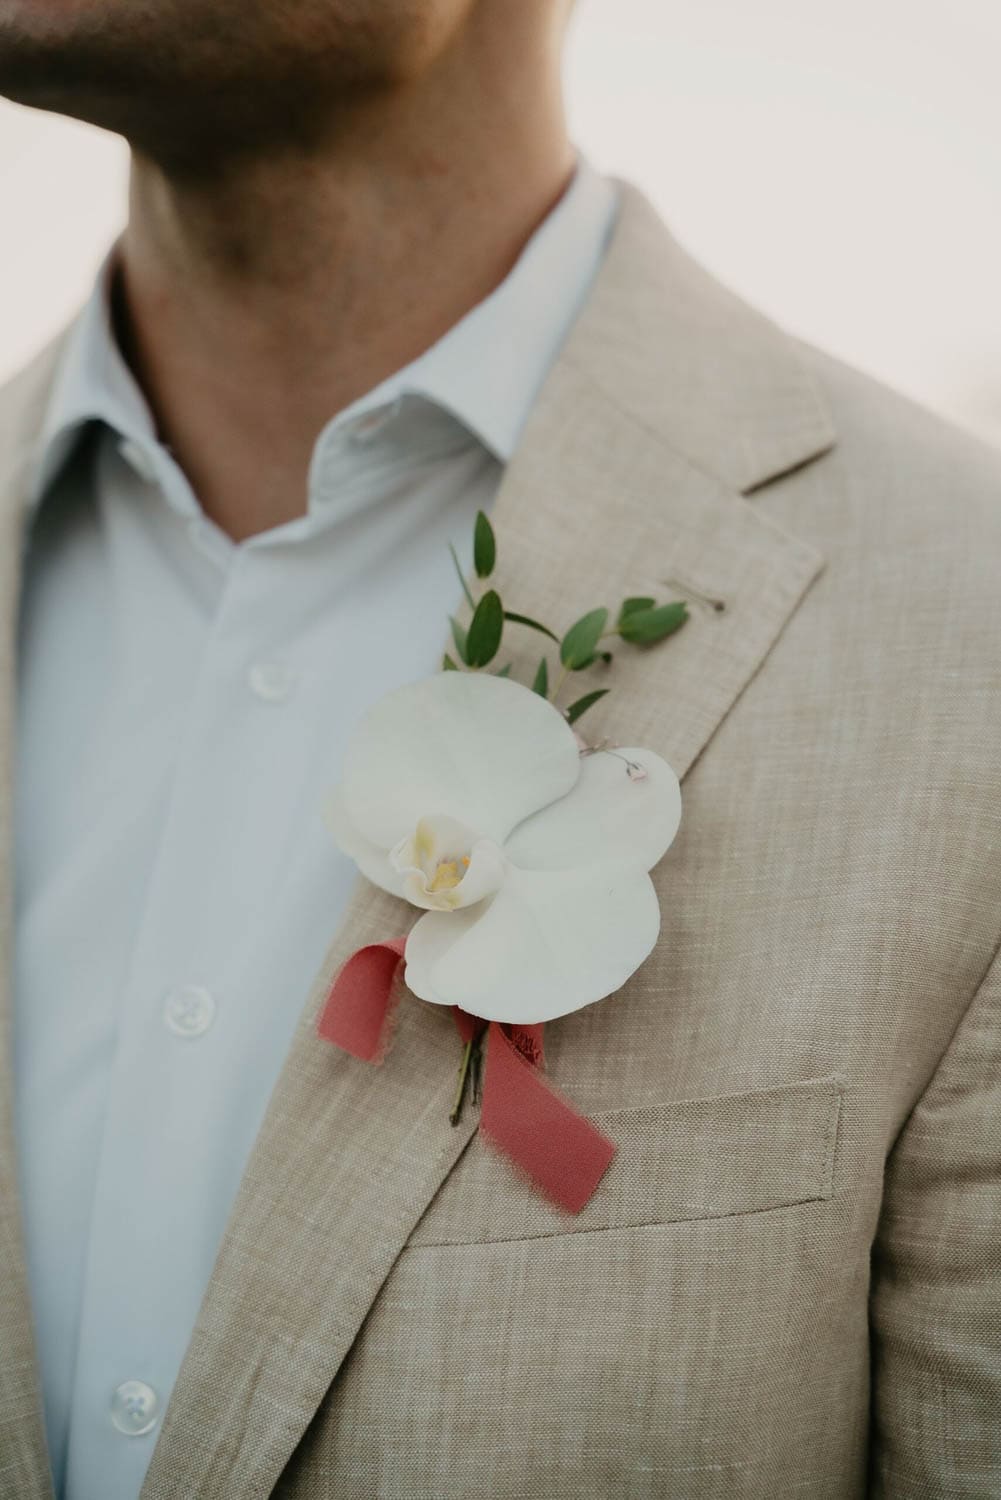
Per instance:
(789,1283)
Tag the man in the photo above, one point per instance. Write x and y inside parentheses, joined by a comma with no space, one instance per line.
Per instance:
(365,291)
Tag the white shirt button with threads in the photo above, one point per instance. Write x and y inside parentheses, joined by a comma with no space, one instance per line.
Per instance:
(184,705)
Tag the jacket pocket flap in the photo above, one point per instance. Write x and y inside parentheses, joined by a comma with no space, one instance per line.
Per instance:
(692,1159)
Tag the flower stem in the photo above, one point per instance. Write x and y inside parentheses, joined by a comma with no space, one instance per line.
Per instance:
(554,695)
(476,1070)
(462,1081)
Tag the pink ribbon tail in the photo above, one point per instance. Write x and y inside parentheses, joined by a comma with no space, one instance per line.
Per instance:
(532,1124)
(357,1015)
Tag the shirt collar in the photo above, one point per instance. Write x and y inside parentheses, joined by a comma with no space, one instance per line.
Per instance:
(93,383)
(485,371)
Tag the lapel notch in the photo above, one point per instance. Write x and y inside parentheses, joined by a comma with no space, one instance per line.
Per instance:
(718,382)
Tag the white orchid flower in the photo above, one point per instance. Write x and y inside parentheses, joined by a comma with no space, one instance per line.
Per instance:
(468,795)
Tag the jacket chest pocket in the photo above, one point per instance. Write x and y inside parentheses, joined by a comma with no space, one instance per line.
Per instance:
(686,1160)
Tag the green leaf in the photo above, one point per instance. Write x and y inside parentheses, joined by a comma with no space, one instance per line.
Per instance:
(580,643)
(484,546)
(447,664)
(644,626)
(532,624)
(630,606)
(583,704)
(485,630)
(462,578)
(459,637)
(504,671)
(541,683)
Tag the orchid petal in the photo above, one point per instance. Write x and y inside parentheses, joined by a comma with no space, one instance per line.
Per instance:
(483,749)
(611,813)
(548,943)
(372,861)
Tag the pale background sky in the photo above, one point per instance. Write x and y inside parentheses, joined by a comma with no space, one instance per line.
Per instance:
(840,166)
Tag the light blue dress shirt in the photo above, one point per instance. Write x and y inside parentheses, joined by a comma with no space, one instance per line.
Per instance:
(184,703)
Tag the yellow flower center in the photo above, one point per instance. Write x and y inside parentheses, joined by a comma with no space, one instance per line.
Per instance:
(448,873)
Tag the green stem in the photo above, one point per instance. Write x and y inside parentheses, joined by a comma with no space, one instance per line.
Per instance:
(476,1069)
(564,674)
(462,1081)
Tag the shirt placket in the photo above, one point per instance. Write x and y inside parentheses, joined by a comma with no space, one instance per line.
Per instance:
(166,1113)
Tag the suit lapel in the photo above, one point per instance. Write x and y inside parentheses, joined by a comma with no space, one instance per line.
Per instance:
(603,500)
(608,512)
(347,1160)
(24,1469)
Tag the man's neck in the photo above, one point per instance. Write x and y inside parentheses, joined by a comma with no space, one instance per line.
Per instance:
(258,301)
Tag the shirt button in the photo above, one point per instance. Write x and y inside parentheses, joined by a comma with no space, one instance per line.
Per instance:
(271,680)
(135,1408)
(189,1010)
(138,458)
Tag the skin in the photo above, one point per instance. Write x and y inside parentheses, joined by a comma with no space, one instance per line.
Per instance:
(319,190)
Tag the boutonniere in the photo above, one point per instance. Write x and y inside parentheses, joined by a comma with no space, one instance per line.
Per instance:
(527,850)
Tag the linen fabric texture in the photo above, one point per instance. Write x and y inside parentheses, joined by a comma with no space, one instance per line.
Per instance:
(788,1283)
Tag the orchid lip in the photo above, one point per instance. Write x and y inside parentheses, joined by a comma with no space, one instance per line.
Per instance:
(446,866)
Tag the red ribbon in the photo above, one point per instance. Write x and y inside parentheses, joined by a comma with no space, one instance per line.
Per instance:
(522,1114)
(358,1013)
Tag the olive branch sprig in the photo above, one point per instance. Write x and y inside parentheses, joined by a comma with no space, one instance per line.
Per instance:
(640,621)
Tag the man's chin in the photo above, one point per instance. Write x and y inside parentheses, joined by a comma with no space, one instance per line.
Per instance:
(55,55)
(107,63)
(47,17)
(194,84)
(59,86)
(41,27)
